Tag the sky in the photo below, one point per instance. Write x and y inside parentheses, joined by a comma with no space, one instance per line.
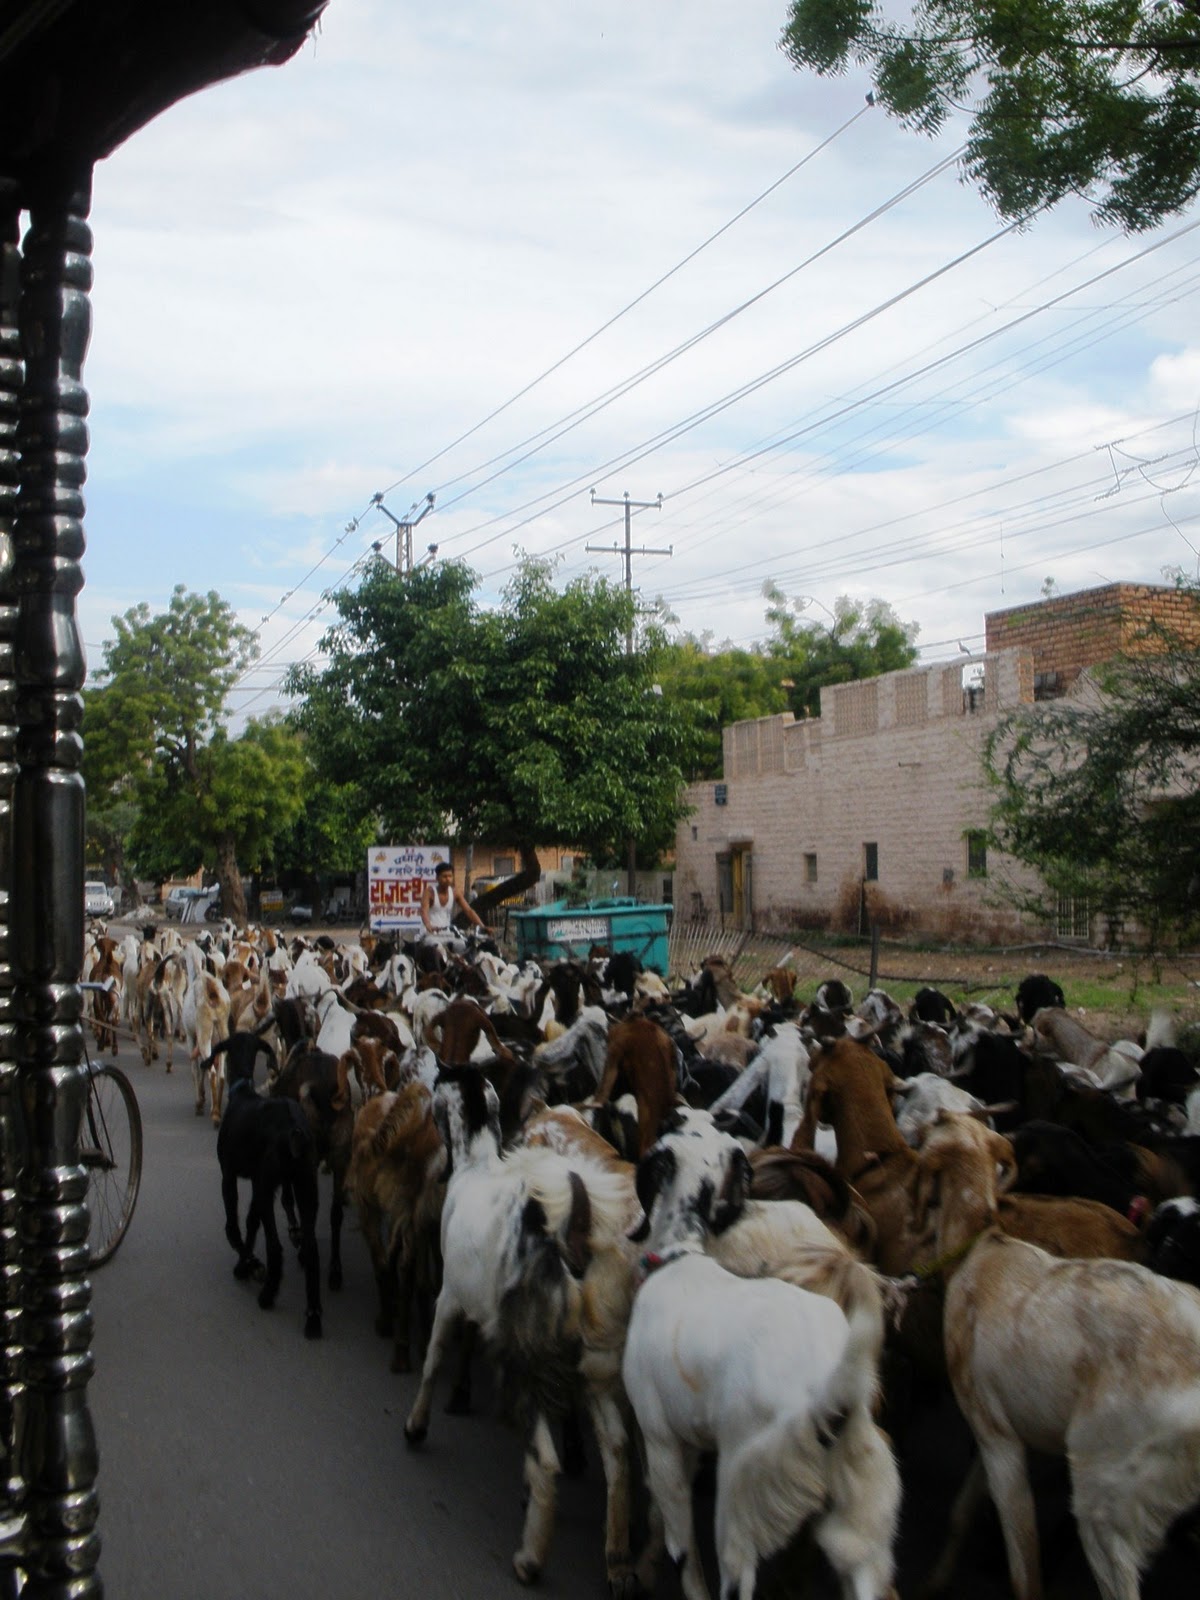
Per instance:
(510,255)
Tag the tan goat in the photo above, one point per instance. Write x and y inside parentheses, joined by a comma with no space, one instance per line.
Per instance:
(1098,1361)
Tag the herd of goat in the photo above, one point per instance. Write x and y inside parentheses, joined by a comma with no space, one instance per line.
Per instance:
(724,1225)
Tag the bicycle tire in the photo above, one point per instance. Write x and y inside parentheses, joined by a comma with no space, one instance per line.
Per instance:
(111,1150)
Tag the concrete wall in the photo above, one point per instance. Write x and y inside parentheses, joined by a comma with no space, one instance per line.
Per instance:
(894,761)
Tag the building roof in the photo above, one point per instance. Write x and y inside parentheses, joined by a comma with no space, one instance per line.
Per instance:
(77,77)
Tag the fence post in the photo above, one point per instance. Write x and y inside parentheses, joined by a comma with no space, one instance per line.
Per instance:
(874,954)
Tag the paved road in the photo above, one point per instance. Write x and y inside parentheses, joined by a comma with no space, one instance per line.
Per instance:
(239,1459)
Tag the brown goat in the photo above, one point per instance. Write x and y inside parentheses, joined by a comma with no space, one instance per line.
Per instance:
(396,1161)
(640,1061)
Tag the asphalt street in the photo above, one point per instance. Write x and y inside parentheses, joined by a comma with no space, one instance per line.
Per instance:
(239,1459)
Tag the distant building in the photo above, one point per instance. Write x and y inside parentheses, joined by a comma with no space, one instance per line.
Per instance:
(876,810)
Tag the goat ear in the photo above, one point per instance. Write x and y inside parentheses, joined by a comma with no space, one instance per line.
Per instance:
(924,1188)
(654,1170)
(1005,1158)
(731,1202)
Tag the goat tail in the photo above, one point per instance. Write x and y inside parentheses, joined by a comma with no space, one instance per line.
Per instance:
(538,1337)
(855,1287)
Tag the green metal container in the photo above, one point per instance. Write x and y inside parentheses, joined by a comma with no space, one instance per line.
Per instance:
(557,932)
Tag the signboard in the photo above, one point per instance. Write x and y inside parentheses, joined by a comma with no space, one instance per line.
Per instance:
(270,901)
(578,930)
(396,878)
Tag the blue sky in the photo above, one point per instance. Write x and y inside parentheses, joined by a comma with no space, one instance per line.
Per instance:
(311,282)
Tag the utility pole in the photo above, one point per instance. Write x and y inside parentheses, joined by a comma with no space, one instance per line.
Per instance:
(404,529)
(629,552)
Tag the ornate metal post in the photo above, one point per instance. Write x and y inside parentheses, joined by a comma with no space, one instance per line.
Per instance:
(47,906)
(12,1486)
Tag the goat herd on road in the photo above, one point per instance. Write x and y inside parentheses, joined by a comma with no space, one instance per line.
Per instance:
(741,1225)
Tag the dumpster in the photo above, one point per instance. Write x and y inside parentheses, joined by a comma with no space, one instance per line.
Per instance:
(558,932)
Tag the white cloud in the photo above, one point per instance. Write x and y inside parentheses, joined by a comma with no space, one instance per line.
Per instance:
(311,281)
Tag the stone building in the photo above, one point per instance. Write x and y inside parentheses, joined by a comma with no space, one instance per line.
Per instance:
(876,810)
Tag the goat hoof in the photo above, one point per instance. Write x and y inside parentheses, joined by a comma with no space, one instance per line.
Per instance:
(294,1236)
(248,1267)
(266,1296)
(200,1111)
(459,1403)
(312,1325)
(414,1435)
(526,1569)
(623,1585)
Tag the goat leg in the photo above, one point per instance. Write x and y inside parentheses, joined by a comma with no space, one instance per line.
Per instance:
(444,1318)
(962,1515)
(264,1209)
(336,1210)
(612,1438)
(541,1478)
(459,1403)
(307,1196)
(246,1262)
(287,1200)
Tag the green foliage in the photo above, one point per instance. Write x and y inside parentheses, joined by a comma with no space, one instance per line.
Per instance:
(860,640)
(1094,97)
(166,783)
(786,672)
(1100,795)
(527,723)
(721,687)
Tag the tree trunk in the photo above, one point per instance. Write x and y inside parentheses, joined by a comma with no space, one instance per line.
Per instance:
(233,901)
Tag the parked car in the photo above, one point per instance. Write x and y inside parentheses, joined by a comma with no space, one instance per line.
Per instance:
(97,902)
(175,901)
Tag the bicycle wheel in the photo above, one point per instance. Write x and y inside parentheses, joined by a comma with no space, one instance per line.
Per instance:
(111,1150)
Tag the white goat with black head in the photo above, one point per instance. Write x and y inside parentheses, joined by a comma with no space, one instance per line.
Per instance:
(778,1381)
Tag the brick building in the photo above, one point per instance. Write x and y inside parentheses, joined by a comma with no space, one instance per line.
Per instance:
(875,810)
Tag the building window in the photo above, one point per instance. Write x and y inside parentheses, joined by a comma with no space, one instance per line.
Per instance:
(566,862)
(870,862)
(976,853)
(810,869)
(1047,685)
(503,866)
(1074,917)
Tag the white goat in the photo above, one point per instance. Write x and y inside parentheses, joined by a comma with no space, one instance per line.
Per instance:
(919,1100)
(781,1067)
(777,1380)
(1098,1361)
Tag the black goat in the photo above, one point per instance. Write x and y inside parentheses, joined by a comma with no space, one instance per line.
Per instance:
(268,1142)
(1036,991)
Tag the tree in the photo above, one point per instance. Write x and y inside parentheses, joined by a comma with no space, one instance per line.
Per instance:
(242,796)
(1099,794)
(860,640)
(720,686)
(527,722)
(154,741)
(784,673)
(1095,97)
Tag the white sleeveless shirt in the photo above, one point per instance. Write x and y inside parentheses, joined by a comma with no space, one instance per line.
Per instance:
(441,914)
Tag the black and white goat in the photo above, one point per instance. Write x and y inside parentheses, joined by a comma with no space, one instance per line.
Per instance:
(535,1256)
(268,1142)
(777,1380)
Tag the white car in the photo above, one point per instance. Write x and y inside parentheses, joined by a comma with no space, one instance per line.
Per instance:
(97,902)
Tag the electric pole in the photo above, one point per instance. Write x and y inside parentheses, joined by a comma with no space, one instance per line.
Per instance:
(404,529)
(629,552)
